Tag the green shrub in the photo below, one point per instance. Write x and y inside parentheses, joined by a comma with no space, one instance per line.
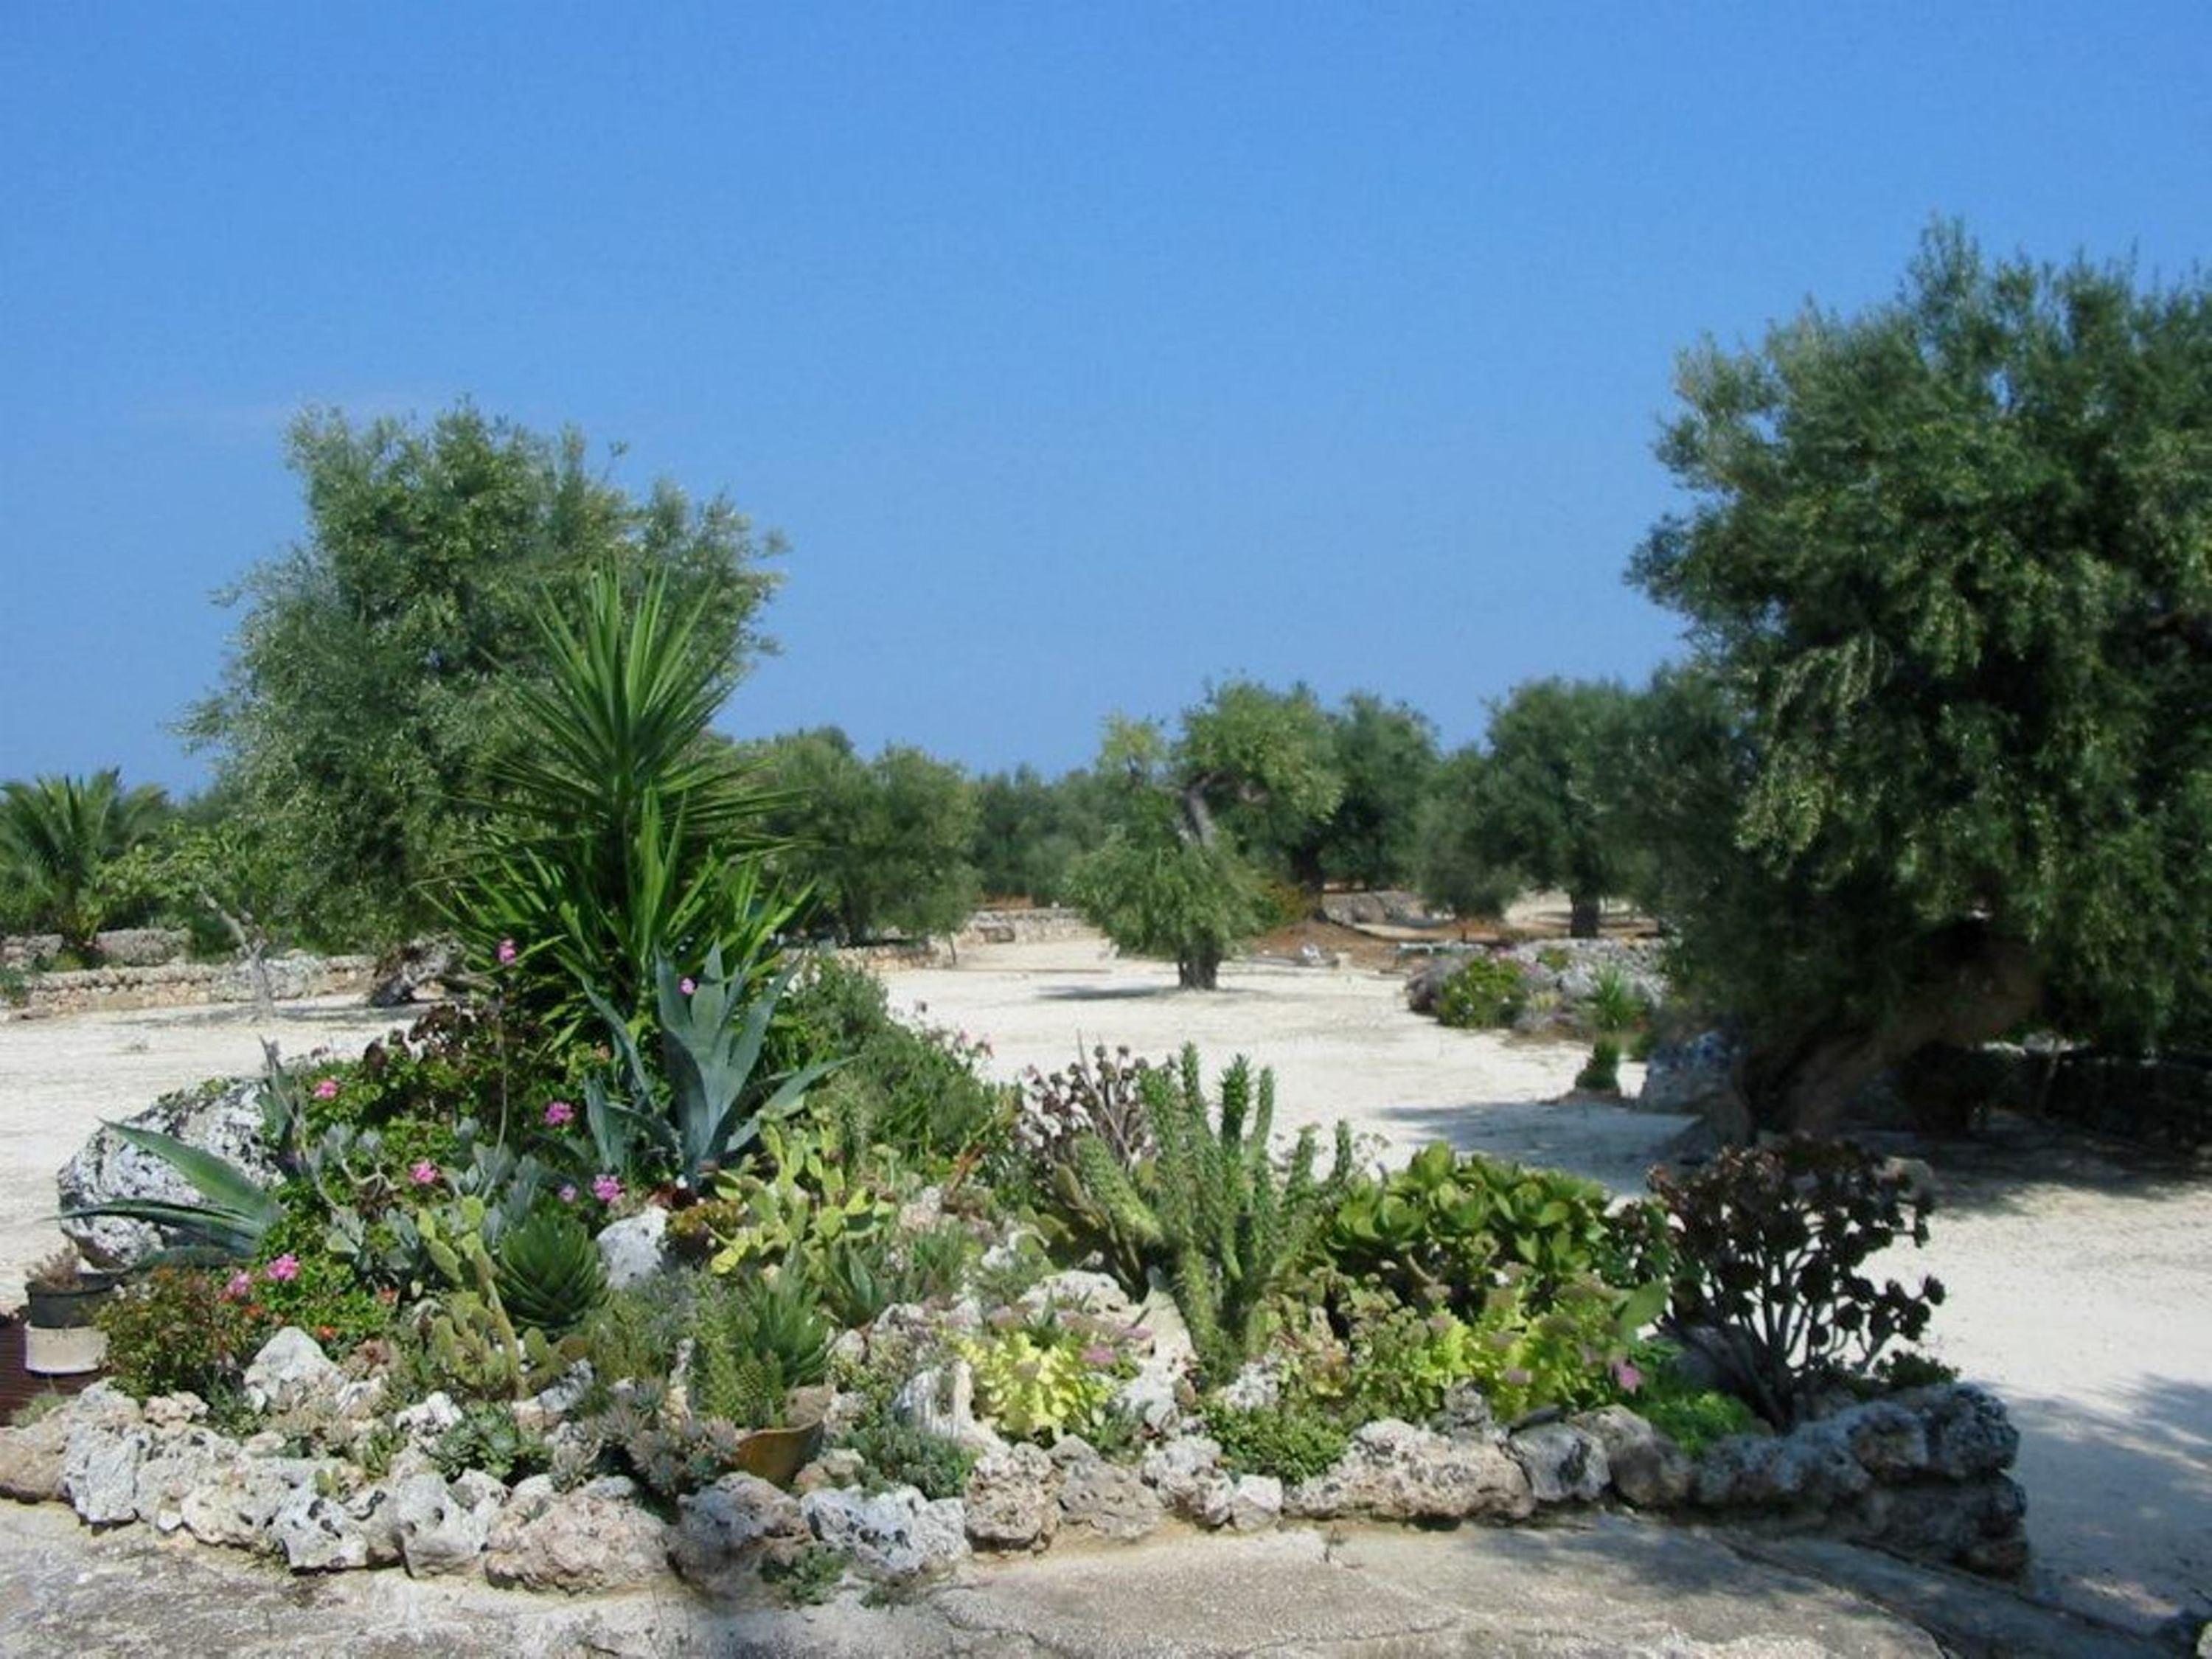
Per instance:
(184,1329)
(1289,1443)
(488,1437)
(1771,1245)
(1615,1004)
(1489,991)
(1443,1229)
(1039,1385)
(754,1339)
(1695,1419)
(900,1454)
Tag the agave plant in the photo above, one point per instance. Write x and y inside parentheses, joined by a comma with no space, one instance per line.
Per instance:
(236,1216)
(712,1031)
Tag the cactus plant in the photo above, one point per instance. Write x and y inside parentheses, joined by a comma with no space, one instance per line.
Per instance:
(1215,1206)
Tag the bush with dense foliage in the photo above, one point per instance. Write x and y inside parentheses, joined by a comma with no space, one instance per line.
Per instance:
(1486,992)
(1940,767)
(1771,1245)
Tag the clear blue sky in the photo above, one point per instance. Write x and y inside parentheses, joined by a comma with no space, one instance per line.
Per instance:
(1083,352)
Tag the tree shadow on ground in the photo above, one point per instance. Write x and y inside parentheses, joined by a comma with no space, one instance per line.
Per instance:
(1597,1141)
(1989,1172)
(2119,1500)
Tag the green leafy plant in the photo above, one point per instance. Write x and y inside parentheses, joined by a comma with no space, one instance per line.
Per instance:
(1215,1206)
(711,1030)
(1291,1442)
(671,1455)
(237,1212)
(487,1438)
(900,1454)
(1772,1244)
(809,1200)
(615,819)
(806,1576)
(548,1272)
(1443,1231)
(1615,1005)
(634,1333)
(472,1338)
(1488,991)
(1037,1386)
(180,1328)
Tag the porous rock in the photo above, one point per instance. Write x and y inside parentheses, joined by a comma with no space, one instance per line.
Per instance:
(1257,1504)
(573,1542)
(941,1401)
(443,1528)
(734,1524)
(634,1248)
(1012,1499)
(290,1369)
(1393,1471)
(239,1504)
(1108,1499)
(1187,1473)
(224,1120)
(1649,1470)
(1563,1464)
(31,1459)
(320,1532)
(897,1534)
(1968,1433)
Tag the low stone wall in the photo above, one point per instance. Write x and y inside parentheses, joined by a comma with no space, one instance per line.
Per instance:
(121,947)
(2167,1102)
(189,984)
(1021,926)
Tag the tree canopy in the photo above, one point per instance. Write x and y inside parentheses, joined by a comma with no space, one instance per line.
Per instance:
(372,680)
(1948,568)
(882,845)
(1541,799)
(1172,879)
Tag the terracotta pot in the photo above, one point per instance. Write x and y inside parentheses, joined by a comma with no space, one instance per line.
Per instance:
(776,1455)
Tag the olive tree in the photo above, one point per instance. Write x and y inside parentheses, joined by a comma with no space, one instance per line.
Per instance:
(372,683)
(1947,565)
(1171,878)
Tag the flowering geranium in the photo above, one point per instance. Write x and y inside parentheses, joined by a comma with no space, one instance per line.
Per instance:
(606,1188)
(687,985)
(558,1112)
(568,1193)
(507,952)
(327,1088)
(424,1173)
(239,1286)
(283,1269)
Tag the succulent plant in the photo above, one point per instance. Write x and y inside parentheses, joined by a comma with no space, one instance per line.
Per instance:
(548,1272)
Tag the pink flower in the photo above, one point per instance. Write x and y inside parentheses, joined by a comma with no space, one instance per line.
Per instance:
(687,985)
(558,1112)
(424,1173)
(507,952)
(327,1088)
(284,1267)
(606,1189)
(1628,1377)
(239,1287)
(568,1193)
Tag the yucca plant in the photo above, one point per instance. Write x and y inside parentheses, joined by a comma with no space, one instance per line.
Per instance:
(548,1272)
(617,820)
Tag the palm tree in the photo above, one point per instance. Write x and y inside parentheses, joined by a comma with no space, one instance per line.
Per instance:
(56,833)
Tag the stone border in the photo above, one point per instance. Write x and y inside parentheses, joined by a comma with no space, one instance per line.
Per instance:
(188,984)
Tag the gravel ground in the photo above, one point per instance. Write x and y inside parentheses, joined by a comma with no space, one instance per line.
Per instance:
(2076,1281)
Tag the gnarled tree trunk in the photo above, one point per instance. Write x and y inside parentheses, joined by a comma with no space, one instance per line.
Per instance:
(1978,984)
(1584,911)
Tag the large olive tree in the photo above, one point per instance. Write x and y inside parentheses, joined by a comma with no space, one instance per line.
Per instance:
(1943,763)
(372,679)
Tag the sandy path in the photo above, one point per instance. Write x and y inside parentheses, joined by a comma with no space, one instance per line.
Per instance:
(2077,1289)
